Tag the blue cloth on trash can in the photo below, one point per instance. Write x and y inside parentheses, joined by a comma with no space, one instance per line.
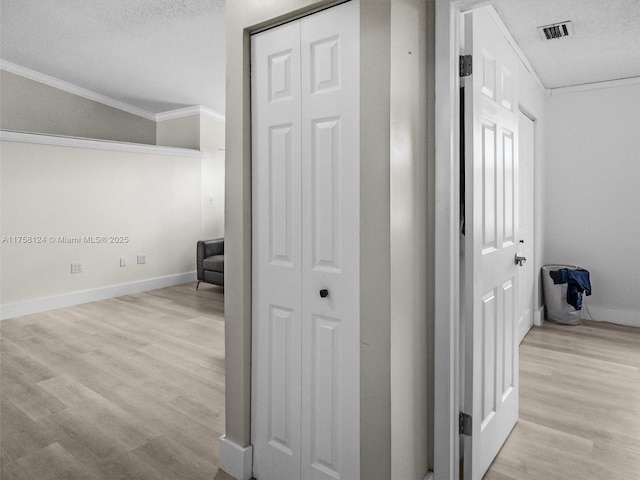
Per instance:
(578,282)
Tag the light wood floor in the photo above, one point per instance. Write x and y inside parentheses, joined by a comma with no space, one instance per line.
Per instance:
(130,388)
(133,389)
(579,406)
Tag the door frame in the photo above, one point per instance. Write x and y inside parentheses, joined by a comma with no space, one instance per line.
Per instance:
(447,332)
(523,108)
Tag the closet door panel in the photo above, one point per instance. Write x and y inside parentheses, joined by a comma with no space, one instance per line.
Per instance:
(330,238)
(276,253)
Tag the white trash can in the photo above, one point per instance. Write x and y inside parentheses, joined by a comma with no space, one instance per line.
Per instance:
(555,296)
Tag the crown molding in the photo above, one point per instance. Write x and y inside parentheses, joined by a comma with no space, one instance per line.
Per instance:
(62,141)
(103,99)
(188,112)
(621,82)
(178,113)
(212,113)
(74,89)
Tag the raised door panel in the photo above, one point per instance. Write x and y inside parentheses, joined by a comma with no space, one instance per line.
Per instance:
(324,433)
(508,188)
(508,362)
(276,253)
(489,165)
(330,230)
(325,195)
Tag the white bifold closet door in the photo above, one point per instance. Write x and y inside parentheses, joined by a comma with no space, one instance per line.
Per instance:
(305,248)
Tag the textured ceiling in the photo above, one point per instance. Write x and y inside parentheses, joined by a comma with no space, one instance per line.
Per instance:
(157,55)
(161,55)
(605,45)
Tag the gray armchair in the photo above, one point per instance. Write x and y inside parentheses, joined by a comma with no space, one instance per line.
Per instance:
(210,261)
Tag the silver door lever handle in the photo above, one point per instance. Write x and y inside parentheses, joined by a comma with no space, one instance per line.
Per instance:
(520,260)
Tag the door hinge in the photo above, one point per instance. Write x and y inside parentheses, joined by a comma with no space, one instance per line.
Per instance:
(466,65)
(464,424)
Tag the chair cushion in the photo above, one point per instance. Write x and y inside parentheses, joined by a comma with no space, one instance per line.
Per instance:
(214,263)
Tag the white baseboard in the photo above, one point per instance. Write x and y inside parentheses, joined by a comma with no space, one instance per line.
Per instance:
(28,307)
(429,476)
(538,317)
(604,314)
(237,461)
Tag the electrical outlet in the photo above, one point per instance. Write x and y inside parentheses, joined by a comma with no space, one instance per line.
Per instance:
(123,261)
(142,258)
(76,268)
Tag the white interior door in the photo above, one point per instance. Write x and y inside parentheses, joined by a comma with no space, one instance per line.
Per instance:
(305,365)
(526,133)
(491,356)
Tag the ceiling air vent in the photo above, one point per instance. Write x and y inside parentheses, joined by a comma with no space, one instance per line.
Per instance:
(557,30)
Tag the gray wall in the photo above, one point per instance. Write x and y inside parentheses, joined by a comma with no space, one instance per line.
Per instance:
(411,300)
(30,106)
(179,132)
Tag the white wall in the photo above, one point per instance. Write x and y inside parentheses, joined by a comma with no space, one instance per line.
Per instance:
(592,195)
(212,197)
(53,191)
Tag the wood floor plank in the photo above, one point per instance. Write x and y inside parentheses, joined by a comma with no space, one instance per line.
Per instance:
(625,456)
(20,434)
(128,466)
(212,418)
(89,410)
(209,369)
(55,463)
(194,434)
(31,369)
(68,390)
(27,396)
(179,462)
(10,469)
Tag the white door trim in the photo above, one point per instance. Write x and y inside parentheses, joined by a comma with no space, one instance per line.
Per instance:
(447,245)
(522,107)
